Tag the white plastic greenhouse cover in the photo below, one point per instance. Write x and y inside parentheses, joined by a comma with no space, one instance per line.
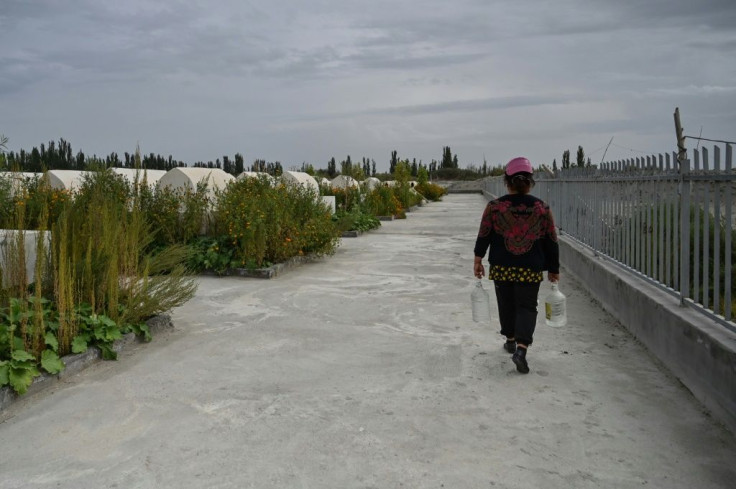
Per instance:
(325,181)
(184,177)
(16,178)
(300,178)
(66,179)
(151,176)
(19,174)
(371,183)
(256,174)
(344,182)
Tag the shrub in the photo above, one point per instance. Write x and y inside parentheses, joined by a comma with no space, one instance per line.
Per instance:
(177,216)
(266,225)
(382,201)
(357,220)
(431,191)
(345,199)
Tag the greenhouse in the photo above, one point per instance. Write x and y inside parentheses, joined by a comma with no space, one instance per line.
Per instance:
(69,180)
(189,178)
(300,178)
(344,182)
(151,176)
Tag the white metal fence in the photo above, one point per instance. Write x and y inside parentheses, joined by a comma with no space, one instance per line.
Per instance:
(671,223)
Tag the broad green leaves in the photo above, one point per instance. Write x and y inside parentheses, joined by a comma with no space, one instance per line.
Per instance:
(51,362)
(19,371)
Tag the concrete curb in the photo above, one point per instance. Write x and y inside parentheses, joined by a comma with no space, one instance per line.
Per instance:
(464,191)
(273,270)
(698,351)
(76,363)
(351,234)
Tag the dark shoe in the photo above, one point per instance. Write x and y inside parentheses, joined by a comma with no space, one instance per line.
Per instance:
(519,360)
(510,346)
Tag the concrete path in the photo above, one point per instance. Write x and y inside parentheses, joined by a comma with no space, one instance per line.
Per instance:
(364,370)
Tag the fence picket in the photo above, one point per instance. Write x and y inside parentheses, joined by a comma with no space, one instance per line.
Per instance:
(716,234)
(729,232)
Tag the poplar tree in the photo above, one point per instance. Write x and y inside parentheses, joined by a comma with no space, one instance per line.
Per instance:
(580,157)
(239,167)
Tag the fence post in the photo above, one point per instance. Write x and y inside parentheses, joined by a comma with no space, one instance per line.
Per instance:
(685,188)
(729,231)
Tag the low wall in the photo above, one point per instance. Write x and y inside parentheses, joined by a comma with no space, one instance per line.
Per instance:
(698,351)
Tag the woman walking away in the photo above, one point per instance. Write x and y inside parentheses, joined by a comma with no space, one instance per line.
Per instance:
(520,231)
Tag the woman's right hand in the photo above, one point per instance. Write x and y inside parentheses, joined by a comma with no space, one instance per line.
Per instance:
(479,270)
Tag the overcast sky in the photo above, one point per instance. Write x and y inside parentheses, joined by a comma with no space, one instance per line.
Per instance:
(298,80)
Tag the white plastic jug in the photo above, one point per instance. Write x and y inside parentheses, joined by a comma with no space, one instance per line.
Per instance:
(555,307)
(481,303)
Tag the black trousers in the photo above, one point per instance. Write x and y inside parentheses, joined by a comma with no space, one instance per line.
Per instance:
(517,309)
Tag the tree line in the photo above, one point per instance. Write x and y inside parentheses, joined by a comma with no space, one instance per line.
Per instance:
(580,160)
(60,156)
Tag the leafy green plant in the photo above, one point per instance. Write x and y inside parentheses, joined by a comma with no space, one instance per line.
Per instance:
(366,222)
(141,330)
(11,320)
(95,330)
(356,220)
(212,254)
(19,371)
(51,362)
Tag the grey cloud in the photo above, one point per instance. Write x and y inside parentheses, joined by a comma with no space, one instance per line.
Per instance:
(727,46)
(477,105)
(639,56)
(384,61)
(719,14)
(457,106)
(151,41)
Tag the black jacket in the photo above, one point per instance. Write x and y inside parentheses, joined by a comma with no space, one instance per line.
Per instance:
(520,231)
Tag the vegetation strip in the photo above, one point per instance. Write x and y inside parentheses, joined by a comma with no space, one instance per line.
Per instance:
(77,362)
(85,263)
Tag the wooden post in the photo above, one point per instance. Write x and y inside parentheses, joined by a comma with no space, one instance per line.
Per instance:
(681,150)
(684,189)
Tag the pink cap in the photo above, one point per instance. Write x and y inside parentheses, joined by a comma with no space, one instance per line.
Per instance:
(518,165)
